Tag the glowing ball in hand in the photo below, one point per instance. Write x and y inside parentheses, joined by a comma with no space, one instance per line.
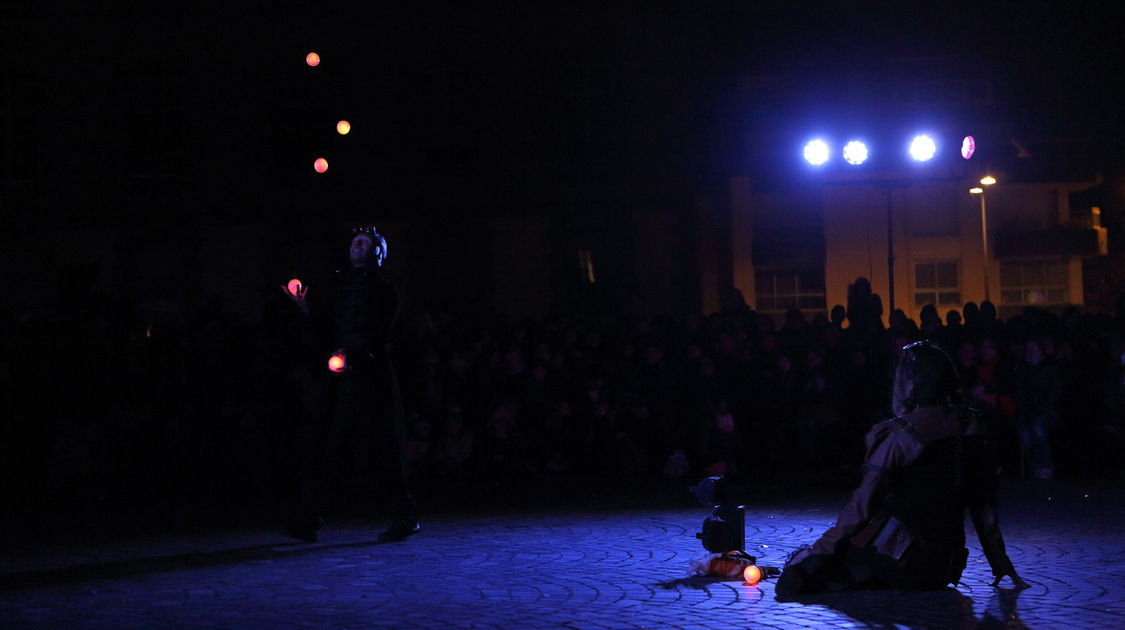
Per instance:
(752,574)
(320,165)
(296,288)
(336,363)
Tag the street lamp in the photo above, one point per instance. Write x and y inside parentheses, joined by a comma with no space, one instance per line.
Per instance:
(987,180)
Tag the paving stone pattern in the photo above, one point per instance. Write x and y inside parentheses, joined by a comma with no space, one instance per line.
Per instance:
(559,569)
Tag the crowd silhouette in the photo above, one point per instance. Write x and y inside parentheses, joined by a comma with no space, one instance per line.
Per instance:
(113,411)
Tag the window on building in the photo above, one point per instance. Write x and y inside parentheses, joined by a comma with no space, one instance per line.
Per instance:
(778,290)
(1034,282)
(937,283)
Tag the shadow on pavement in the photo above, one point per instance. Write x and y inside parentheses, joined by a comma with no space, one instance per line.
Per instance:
(111,569)
(948,608)
(695,581)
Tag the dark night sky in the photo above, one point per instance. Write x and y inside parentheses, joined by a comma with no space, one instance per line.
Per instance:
(207,108)
(160,152)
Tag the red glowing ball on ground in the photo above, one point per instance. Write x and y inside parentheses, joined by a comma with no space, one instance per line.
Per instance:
(295,287)
(320,165)
(752,574)
(336,363)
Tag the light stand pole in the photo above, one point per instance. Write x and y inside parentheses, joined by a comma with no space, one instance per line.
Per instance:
(922,149)
(890,255)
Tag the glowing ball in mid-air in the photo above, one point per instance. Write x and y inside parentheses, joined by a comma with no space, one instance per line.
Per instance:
(296,289)
(752,574)
(343,127)
(336,363)
(320,165)
(312,59)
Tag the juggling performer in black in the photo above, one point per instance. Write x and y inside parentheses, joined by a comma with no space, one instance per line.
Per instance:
(364,404)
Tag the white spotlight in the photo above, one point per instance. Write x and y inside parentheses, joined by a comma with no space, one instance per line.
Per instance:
(922,148)
(855,152)
(816,152)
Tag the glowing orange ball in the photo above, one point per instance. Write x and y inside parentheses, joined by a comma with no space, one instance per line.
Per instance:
(320,165)
(343,127)
(336,363)
(752,574)
(295,287)
(312,59)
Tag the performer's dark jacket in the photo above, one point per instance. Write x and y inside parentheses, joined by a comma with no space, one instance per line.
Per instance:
(365,306)
(923,471)
(363,313)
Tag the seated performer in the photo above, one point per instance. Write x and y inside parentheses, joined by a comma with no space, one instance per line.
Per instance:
(904,525)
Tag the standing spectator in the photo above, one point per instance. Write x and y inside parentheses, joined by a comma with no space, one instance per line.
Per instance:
(457,443)
(931,327)
(720,447)
(1038,388)
(992,393)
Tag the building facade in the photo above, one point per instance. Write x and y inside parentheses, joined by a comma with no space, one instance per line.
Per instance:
(801,233)
(919,243)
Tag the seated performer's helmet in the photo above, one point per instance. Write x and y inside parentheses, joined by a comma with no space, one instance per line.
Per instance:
(926,377)
(379,244)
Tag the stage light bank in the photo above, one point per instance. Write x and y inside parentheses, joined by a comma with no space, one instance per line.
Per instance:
(816,152)
(855,153)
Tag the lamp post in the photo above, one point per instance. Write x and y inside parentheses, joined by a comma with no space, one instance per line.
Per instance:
(987,180)
(890,255)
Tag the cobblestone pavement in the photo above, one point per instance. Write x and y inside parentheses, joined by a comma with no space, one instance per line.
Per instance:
(560,568)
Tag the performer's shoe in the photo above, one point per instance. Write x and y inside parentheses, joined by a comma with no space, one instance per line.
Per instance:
(400,530)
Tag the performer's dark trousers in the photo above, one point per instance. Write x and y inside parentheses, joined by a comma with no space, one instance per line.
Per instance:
(363,438)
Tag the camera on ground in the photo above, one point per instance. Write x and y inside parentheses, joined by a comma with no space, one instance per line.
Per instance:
(725,529)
